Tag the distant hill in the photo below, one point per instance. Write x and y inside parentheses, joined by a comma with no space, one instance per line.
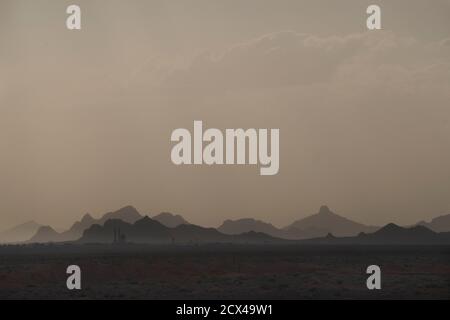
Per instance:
(142,230)
(438,224)
(126,214)
(316,225)
(170,220)
(324,222)
(76,231)
(148,230)
(19,233)
(233,227)
(46,234)
(391,234)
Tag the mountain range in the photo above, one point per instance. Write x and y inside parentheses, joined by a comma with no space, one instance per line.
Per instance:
(19,233)
(317,225)
(175,227)
(127,214)
(170,220)
(438,224)
(48,234)
(147,230)
(390,234)
(233,227)
(150,231)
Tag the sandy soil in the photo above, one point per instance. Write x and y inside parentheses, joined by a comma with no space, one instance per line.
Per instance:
(224,272)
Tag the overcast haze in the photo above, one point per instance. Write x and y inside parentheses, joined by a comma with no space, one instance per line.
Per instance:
(86,116)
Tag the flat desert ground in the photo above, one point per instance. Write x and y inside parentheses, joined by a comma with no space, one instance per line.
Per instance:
(224,272)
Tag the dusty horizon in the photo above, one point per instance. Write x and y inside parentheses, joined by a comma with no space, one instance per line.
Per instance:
(98,215)
(86,116)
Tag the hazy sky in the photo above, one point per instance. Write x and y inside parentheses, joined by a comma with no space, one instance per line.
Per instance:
(86,116)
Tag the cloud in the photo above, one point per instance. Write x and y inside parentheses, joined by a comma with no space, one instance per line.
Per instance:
(289,59)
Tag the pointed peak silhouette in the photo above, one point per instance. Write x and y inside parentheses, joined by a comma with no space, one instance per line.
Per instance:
(45,234)
(326,221)
(324,210)
(87,218)
(144,220)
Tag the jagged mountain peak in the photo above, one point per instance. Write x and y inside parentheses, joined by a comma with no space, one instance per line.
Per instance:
(87,218)
(326,221)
